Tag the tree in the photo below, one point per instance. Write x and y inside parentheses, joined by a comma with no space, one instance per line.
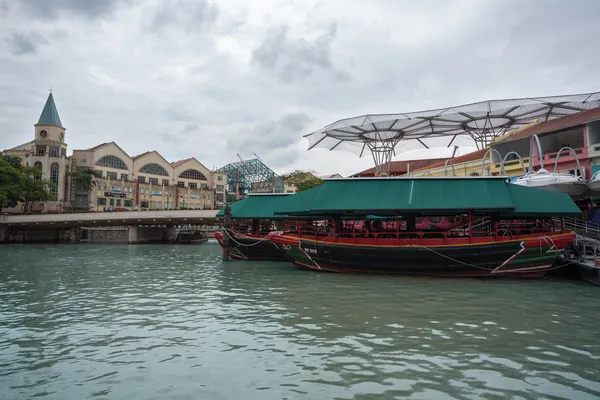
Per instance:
(84,179)
(10,181)
(33,188)
(302,180)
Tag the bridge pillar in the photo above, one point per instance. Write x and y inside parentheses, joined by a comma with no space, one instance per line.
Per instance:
(226,231)
(73,235)
(132,235)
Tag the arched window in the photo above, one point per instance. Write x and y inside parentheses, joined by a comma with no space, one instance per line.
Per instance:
(154,169)
(192,174)
(38,165)
(54,170)
(111,162)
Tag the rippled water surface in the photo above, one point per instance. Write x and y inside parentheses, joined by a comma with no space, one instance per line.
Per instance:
(174,322)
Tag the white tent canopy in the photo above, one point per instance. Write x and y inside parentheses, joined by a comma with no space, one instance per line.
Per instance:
(478,123)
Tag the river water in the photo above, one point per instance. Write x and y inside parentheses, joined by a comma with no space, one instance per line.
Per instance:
(174,322)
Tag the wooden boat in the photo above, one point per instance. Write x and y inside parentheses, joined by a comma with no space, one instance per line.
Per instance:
(253,223)
(503,230)
(253,247)
(191,237)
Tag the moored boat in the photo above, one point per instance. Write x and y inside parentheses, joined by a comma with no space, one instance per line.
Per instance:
(253,223)
(497,229)
(594,185)
(191,237)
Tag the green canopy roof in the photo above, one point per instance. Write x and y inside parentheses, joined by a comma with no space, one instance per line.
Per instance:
(418,195)
(538,202)
(49,114)
(258,206)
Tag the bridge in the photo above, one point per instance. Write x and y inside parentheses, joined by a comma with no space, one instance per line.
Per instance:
(143,226)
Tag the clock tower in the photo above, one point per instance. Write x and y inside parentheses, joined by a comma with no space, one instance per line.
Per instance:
(49,154)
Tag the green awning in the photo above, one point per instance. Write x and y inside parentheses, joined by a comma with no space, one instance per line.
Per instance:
(299,203)
(256,207)
(535,202)
(388,195)
(425,195)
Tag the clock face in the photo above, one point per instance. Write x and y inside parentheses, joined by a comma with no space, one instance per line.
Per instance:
(43,133)
(61,136)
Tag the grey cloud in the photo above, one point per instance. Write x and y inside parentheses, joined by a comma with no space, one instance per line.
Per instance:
(25,43)
(51,9)
(270,137)
(296,59)
(190,14)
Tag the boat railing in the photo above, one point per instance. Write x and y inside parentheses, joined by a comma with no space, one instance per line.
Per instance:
(483,231)
(584,228)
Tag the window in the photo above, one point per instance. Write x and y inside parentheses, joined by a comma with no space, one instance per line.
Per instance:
(153,181)
(474,174)
(165,182)
(97,173)
(144,204)
(118,202)
(38,166)
(63,152)
(154,169)
(112,202)
(220,188)
(66,186)
(53,152)
(128,203)
(101,201)
(192,185)
(192,174)
(111,162)
(111,175)
(54,170)
(40,150)
(219,177)
(141,179)
(219,197)
(181,184)
(575,172)
(124,177)
(142,191)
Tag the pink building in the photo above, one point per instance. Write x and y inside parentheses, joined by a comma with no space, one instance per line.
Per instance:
(580,131)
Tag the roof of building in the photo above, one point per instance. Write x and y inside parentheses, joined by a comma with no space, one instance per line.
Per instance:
(474,155)
(142,154)
(401,167)
(434,195)
(49,114)
(555,125)
(176,164)
(256,207)
(99,146)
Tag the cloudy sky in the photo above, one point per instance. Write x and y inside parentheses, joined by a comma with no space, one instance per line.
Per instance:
(214,78)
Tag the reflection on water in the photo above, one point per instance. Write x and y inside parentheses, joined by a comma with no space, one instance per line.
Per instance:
(158,322)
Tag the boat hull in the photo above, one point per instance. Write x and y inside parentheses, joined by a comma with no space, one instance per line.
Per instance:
(575,190)
(594,188)
(252,249)
(531,257)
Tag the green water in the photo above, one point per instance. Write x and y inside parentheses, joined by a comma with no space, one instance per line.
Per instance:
(174,322)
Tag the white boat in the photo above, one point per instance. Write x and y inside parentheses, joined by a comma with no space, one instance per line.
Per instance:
(574,186)
(594,185)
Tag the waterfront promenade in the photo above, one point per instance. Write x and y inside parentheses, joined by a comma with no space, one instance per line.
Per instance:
(158,217)
(143,226)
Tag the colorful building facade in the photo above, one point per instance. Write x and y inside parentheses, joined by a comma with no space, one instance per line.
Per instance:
(121,182)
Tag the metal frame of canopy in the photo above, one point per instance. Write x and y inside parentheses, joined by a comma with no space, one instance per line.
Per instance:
(478,122)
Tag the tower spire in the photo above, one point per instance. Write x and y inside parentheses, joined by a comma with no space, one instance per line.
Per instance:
(49,114)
